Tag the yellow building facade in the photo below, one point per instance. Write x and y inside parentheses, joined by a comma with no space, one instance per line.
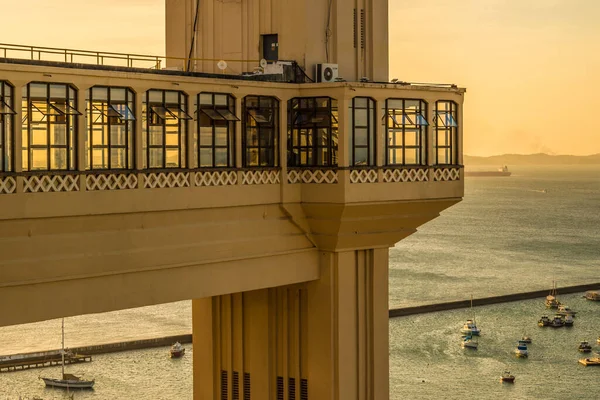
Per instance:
(269,202)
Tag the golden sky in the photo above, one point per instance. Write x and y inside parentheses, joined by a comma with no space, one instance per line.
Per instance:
(531,67)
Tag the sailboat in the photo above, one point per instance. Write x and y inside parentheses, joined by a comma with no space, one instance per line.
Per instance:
(551,300)
(68,381)
(470,327)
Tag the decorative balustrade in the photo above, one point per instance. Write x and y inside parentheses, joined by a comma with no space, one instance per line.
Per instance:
(402,175)
(155,180)
(446,174)
(363,176)
(260,177)
(50,183)
(312,176)
(111,182)
(8,185)
(215,178)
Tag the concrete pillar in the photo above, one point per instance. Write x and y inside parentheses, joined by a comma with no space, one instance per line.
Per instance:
(327,338)
(139,154)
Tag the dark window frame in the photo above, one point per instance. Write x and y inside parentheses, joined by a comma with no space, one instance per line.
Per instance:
(7,126)
(418,123)
(60,111)
(254,120)
(449,128)
(213,116)
(308,120)
(371,142)
(170,111)
(109,121)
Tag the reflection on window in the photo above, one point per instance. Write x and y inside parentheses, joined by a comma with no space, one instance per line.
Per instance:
(312,131)
(110,133)
(165,116)
(260,131)
(215,141)
(49,126)
(446,133)
(406,127)
(7,123)
(362,138)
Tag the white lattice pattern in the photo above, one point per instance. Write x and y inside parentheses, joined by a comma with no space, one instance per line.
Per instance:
(8,185)
(312,176)
(217,178)
(111,182)
(446,174)
(260,177)
(363,176)
(405,175)
(51,183)
(155,180)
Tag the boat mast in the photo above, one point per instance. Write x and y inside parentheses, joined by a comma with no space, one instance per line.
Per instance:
(472,313)
(62,348)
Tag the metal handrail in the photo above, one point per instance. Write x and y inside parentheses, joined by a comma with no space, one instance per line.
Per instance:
(101,57)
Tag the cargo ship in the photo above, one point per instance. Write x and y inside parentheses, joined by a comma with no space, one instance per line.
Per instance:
(499,172)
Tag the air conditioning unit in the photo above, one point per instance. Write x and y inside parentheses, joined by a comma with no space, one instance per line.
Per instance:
(326,72)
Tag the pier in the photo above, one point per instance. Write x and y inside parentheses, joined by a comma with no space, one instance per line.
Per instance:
(21,364)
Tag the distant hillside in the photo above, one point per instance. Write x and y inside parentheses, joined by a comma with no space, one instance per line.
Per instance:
(532,159)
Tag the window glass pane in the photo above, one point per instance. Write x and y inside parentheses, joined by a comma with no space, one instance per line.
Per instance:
(172,97)
(100,93)
(266,137)
(265,157)
(205,136)
(39,136)
(118,158)
(117,94)
(118,135)
(179,113)
(58,134)
(228,115)
(38,90)
(206,157)
(360,102)
(361,136)
(443,156)
(220,136)
(394,103)
(156,158)
(360,156)
(212,114)
(252,157)
(252,137)
(205,98)
(156,135)
(411,138)
(221,157)
(172,158)
(155,96)
(58,91)
(221,99)
(39,159)
(411,156)
(58,158)
(100,158)
(99,136)
(443,138)
(361,117)
(172,139)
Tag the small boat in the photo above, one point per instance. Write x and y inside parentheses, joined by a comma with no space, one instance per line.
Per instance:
(507,377)
(592,295)
(551,300)
(521,350)
(469,343)
(68,381)
(544,321)
(470,327)
(526,339)
(584,347)
(598,340)
(568,320)
(557,321)
(177,350)
(565,310)
(590,361)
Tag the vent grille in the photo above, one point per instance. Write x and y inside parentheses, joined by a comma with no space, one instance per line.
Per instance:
(246,386)
(354,28)
(362,29)
(224,385)
(236,386)
(279,388)
(303,389)
(291,389)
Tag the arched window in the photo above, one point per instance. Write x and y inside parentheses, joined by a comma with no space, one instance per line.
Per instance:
(49,126)
(312,132)
(111,128)
(261,131)
(7,123)
(446,132)
(406,127)
(362,139)
(216,130)
(165,114)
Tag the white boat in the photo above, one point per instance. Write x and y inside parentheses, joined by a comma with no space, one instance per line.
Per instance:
(565,310)
(470,327)
(469,343)
(526,339)
(551,300)
(584,347)
(507,377)
(568,320)
(592,295)
(68,381)
(177,350)
(521,350)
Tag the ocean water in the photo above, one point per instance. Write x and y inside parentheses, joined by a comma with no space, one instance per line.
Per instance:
(507,235)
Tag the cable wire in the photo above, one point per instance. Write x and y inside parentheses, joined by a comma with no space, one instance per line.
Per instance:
(193,35)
